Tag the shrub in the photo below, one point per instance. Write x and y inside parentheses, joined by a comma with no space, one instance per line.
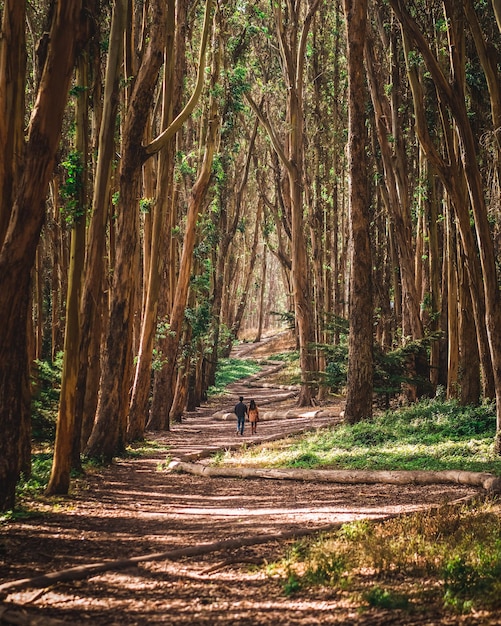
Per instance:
(46,387)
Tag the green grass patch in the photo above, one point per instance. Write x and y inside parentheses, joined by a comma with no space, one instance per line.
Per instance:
(430,435)
(29,489)
(34,485)
(450,556)
(231,370)
(290,374)
(142,448)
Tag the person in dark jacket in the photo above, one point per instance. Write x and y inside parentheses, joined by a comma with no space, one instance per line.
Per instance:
(240,412)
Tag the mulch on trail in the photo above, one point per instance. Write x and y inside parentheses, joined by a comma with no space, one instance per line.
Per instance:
(134,507)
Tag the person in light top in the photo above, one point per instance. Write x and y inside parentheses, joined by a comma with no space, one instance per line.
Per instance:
(253,416)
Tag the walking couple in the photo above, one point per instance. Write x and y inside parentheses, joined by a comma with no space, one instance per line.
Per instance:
(252,413)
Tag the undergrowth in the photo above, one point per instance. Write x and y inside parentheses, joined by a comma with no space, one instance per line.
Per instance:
(33,486)
(450,555)
(429,435)
(231,370)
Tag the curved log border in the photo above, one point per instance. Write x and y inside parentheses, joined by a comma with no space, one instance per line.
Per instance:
(488,482)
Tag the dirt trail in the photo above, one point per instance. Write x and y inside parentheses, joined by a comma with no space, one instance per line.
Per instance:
(133,508)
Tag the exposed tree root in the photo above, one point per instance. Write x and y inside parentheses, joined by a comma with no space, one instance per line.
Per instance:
(91,569)
(489,482)
(16,615)
(233,561)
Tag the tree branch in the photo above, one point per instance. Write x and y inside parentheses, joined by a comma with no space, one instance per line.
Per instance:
(271,133)
(159,142)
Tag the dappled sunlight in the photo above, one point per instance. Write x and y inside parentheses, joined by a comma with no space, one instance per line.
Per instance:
(191,593)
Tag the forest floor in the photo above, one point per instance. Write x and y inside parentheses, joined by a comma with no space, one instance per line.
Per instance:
(136,508)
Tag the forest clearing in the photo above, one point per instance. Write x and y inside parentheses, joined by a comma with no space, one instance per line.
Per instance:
(203,547)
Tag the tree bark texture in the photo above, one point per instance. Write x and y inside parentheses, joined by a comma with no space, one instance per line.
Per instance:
(17,255)
(489,482)
(159,418)
(360,359)
(108,435)
(12,97)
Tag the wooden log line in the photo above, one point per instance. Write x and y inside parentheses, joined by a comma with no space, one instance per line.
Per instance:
(85,571)
(488,482)
(15,614)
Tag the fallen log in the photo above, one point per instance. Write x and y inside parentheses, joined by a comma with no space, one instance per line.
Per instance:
(91,569)
(487,481)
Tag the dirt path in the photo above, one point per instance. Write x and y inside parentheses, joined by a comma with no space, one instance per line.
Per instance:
(133,508)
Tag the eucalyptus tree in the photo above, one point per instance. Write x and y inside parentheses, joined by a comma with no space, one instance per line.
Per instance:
(164,144)
(76,195)
(92,301)
(109,431)
(325,169)
(26,211)
(292,26)
(360,359)
(12,103)
(165,387)
(452,93)
(156,244)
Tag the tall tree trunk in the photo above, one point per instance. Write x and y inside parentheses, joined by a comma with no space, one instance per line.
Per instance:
(56,294)
(59,481)
(17,254)
(159,415)
(12,97)
(92,301)
(360,342)
(12,110)
(452,309)
(108,435)
(433,268)
(293,56)
(262,289)
(171,252)
(469,359)
(454,98)
(141,388)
